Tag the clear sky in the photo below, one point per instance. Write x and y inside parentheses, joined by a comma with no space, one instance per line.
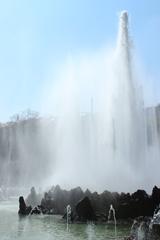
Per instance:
(36,35)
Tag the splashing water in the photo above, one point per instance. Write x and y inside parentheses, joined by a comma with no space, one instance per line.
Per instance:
(112,211)
(68,212)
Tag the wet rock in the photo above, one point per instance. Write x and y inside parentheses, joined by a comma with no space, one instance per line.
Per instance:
(155,196)
(85,210)
(154,232)
(23,209)
(35,210)
(48,204)
(126,205)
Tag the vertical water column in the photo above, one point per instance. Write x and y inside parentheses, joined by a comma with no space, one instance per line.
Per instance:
(128,112)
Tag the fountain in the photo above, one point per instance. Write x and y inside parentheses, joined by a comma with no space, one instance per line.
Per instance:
(113,146)
(68,213)
(119,138)
(115,133)
(112,211)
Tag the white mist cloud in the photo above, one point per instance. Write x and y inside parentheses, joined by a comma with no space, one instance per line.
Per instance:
(106,146)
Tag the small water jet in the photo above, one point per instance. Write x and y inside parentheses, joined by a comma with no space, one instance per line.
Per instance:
(112,212)
(68,214)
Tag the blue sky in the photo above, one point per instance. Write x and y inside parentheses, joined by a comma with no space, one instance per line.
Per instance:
(37,35)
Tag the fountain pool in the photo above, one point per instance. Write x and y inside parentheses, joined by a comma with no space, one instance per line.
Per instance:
(48,227)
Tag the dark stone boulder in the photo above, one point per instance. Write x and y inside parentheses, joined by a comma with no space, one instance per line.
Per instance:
(36,210)
(47,204)
(85,210)
(22,206)
(155,232)
(23,209)
(155,196)
(43,209)
(126,205)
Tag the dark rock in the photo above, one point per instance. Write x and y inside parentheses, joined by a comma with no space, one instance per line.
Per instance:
(126,205)
(155,196)
(85,210)
(35,210)
(75,195)
(155,232)
(22,206)
(47,204)
(23,209)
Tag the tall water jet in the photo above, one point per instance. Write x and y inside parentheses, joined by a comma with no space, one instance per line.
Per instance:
(111,141)
(123,43)
(112,211)
(128,111)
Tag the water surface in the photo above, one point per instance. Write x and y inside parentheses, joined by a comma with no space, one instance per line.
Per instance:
(44,227)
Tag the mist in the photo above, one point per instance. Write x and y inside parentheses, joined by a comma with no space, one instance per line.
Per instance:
(105,136)
(100,134)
